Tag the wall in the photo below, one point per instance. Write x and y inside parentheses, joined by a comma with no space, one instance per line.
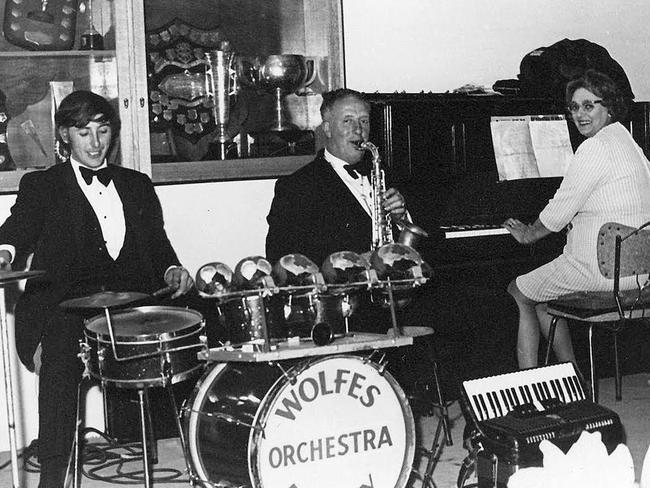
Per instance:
(410,45)
(440,45)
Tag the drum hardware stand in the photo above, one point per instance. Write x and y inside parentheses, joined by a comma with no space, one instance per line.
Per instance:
(9,393)
(177,416)
(391,304)
(5,278)
(433,454)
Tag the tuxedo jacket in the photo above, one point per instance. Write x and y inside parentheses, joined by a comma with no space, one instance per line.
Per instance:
(52,219)
(314,213)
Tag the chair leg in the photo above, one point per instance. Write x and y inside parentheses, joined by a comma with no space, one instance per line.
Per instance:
(592,366)
(551,338)
(618,378)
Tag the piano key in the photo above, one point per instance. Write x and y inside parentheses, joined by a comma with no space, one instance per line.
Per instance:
(555,390)
(493,410)
(506,402)
(513,392)
(569,389)
(486,414)
(548,391)
(560,390)
(478,411)
(575,387)
(580,392)
(451,233)
(510,390)
(501,413)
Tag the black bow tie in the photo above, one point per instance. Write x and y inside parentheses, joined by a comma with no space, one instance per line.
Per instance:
(103,175)
(361,168)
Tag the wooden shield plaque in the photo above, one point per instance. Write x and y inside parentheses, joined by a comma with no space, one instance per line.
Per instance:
(41,25)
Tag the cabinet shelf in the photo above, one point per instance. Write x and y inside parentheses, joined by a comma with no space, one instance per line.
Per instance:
(55,54)
(228,170)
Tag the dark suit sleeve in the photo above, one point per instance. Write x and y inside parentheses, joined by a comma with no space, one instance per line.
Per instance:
(23,227)
(161,252)
(287,221)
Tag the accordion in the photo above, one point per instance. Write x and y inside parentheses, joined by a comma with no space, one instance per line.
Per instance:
(510,414)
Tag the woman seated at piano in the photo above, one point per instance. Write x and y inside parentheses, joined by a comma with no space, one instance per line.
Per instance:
(607,180)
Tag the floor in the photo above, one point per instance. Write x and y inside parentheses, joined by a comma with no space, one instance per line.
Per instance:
(170,471)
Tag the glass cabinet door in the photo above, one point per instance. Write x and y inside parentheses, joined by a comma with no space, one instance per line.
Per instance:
(232,87)
(48,49)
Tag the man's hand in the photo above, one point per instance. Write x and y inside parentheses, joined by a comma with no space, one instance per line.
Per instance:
(5,261)
(395,204)
(179,279)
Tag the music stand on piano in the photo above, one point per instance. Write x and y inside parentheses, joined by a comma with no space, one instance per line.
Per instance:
(7,277)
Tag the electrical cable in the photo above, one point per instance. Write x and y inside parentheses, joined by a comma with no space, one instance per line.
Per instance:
(108,455)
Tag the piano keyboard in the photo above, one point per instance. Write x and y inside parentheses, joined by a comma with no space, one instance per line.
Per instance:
(473,230)
(496,396)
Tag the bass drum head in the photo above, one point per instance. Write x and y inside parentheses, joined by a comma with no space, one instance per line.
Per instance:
(341,419)
(309,423)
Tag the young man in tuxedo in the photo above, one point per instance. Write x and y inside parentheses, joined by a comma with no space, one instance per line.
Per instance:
(91,227)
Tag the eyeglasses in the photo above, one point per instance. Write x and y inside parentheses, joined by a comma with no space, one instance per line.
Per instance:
(587,106)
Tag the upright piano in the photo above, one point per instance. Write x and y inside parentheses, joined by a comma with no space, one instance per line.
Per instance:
(437,149)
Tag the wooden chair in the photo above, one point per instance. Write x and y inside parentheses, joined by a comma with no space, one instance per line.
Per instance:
(622,251)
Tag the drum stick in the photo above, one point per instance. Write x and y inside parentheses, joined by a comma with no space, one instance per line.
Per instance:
(165,291)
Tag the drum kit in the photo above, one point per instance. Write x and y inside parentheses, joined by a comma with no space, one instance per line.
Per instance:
(292,397)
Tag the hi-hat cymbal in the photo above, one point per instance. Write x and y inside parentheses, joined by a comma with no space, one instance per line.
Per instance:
(11,276)
(104,299)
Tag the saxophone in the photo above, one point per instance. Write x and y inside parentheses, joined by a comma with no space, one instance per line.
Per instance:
(382,225)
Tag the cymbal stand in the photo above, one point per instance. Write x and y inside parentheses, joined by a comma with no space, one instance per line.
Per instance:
(177,416)
(143,402)
(9,393)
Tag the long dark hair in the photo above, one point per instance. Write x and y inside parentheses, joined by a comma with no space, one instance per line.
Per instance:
(79,108)
(603,86)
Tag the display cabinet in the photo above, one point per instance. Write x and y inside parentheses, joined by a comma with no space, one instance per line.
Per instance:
(41,60)
(44,54)
(283,55)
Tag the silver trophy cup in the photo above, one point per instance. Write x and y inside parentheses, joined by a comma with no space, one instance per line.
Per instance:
(280,74)
(220,85)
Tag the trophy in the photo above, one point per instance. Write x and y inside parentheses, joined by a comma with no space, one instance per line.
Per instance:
(220,84)
(90,38)
(281,74)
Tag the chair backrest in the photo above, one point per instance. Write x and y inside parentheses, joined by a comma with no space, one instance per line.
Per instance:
(635,250)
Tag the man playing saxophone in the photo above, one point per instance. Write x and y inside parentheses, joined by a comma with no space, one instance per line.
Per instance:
(326,206)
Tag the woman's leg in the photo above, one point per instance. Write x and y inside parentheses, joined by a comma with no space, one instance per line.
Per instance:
(562,344)
(528,333)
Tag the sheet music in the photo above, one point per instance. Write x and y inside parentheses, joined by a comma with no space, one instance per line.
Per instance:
(551,144)
(530,146)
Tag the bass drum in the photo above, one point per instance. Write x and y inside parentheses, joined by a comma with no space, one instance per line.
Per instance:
(309,423)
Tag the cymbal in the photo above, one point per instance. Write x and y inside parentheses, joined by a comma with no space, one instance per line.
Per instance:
(104,299)
(11,276)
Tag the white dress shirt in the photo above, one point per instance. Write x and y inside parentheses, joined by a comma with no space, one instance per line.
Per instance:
(107,205)
(359,187)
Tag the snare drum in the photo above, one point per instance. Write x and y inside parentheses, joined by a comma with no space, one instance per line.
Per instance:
(309,423)
(153,344)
